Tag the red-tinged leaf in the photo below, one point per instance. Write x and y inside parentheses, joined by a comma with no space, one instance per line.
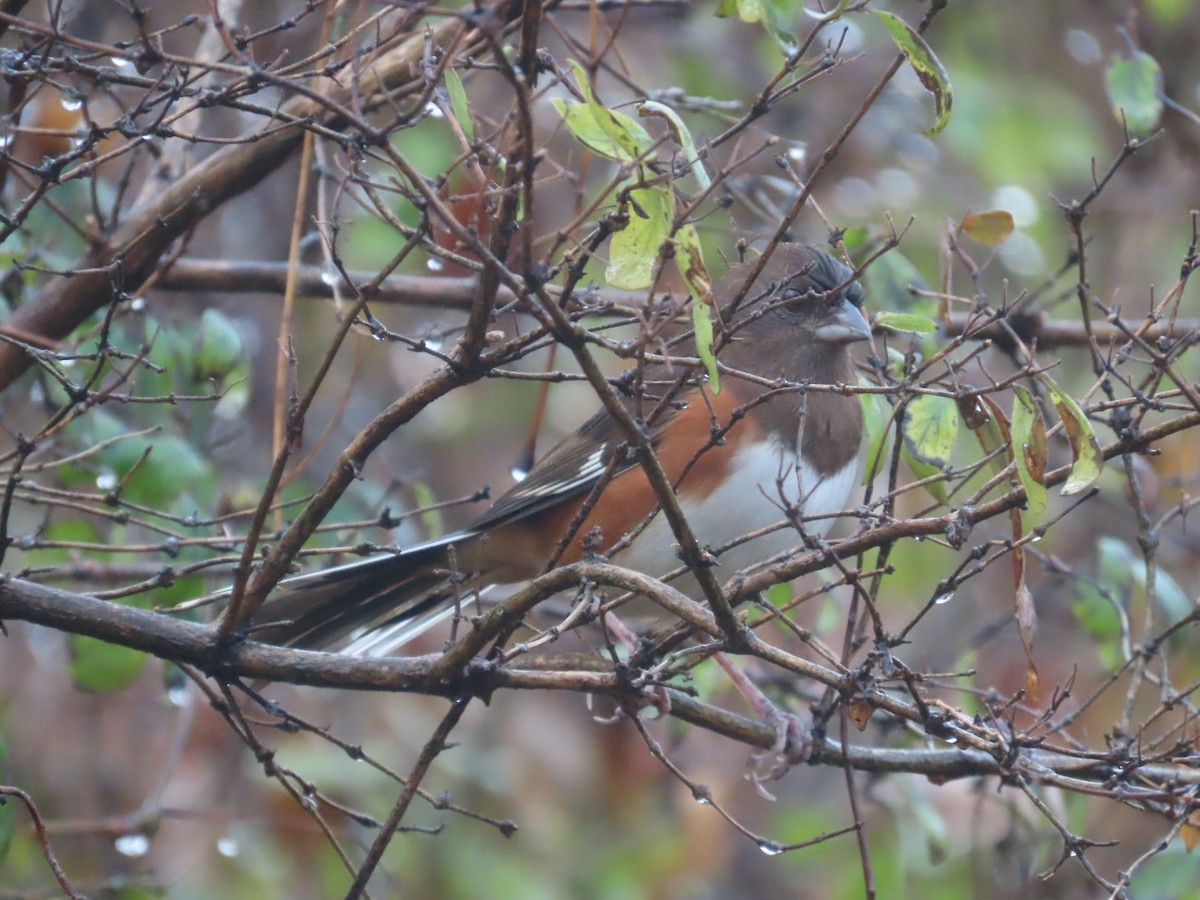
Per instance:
(990,425)
(1189,834)
(1026,616)
(1087,460)
(928,68)
(860,713)
(974,414)
(1023,608)
(690,260)
(1029,449)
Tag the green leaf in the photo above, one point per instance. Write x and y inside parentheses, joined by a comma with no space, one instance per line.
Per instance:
(890,282)
(1098,605)
(929,69)
(878,428)
(772,14)
(906,322)
(235,393)
(431,518)
(99,666)
(930,427)
(458,103)
(1169,12)
(987,420)
(991,227)
(219,346)
(172,468)
(681,136)
(779,595)
(1135,91)
(836,13)
(1095,613)
(929,430)
(856,237)
(1029,448)
(172,349)
(1086,457)
(690,260)
(611,134)
(633,251)
(74,531)
(1172,599)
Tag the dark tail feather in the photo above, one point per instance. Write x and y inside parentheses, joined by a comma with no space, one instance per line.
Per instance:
(367,608)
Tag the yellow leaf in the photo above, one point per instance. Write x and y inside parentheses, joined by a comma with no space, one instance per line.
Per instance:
(991,227)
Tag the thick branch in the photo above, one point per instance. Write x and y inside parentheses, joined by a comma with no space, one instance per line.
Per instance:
(187,642)
(233,277)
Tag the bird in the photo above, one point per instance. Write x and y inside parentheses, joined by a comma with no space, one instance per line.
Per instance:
(784,446)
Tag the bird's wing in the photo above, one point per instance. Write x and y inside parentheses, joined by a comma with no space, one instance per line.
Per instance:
(572,466)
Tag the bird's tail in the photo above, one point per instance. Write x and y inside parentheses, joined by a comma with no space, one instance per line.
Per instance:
(366,608)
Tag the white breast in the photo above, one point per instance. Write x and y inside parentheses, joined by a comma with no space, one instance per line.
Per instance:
(746,503)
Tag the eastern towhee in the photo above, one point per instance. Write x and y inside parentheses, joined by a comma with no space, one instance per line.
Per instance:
(784,444)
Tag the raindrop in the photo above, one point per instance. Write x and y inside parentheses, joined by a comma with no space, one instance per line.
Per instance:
(1082,46)
(227,846)
(132,845)
(518,473)
(896,188)
(137,304)
(702,795)
(329,277)
(433,110)
(943,599)
(1018,201)
(435,264)
(849,37)
(770,848)
(72,101)
(798,153)
(106,480)
(177,695)
(1022,254)
(854,196)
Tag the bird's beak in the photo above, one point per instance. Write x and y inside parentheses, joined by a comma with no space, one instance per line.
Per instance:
(847,326)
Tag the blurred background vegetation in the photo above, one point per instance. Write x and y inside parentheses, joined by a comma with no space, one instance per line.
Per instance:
(148,792)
